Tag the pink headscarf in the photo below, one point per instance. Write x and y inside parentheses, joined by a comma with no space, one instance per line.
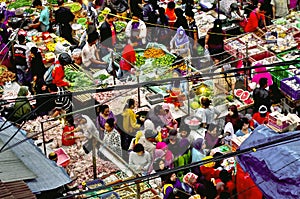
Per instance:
(160,146)
(262,72)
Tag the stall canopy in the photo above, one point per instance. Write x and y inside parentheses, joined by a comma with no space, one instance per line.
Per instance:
(274,169)
(48,175)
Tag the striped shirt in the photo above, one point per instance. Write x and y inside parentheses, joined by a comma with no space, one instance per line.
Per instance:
(63,100)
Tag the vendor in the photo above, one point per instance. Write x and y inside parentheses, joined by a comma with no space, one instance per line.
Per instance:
(225,83)
(43,24)
(177,89)
(280,8)
(257,20)
(136,28)
(180,43)
(63,100)
(90,55)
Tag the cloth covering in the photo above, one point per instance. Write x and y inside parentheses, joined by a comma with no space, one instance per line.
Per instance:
(275,170)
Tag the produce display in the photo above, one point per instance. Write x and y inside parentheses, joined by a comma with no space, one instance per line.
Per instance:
(153,53)
(120,25)
(252,40)
(166,60)
(19,4)
(140,60)
(6,76)
(74,7)
(80,79)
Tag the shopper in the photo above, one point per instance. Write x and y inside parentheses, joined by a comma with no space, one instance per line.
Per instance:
(58,72)
(112,138)
(63,17)
(159,166)
(148,141)
(180,19)
(104,114)
(128,60)
(185,132)
(225,82)
(44,21)
(68,137)
(192,31)
(168,118)
(21,58)
(108,33)
(256,20)
(90,54)
(207,113)
(261,72)
(228,134)
(180,43)
(245,130)
(261,95)
(62,100)
(162,151)
(198,150)
(170,184)
(4,53)
(136,7)
(162,31)
(233,117)
(170,12)
(260,117)
(130,125)
(214,40)
(136,28)
(22,106)
(37,69)
(3,29)
(280,8)
(139,159)
(211,137)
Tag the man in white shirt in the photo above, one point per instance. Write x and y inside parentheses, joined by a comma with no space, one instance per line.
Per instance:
(280,8)
(90,55)
(136,28)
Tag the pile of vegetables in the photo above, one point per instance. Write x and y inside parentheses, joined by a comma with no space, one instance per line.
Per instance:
(164,61)
(74,7)
(19,4)
(120,25)
(6,76)
(140,60)
(80,79)
(54,1)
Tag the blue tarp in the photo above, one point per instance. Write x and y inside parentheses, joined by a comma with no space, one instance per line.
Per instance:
(49,175)
(275,170)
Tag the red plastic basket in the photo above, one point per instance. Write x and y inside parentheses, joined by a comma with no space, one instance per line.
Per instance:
(262,55)
(63,159)
(295,95)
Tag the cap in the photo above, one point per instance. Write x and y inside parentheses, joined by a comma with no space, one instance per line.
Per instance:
(150,134)
(262,109)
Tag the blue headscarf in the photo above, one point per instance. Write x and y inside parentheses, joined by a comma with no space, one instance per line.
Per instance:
(181,37)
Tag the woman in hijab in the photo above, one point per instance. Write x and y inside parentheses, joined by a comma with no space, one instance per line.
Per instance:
(163,152)
(198,152)
(233,117)
(214,40)
(180,43)
(22,106)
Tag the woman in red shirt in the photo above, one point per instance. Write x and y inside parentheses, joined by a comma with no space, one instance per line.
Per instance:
(255,17)
(128,60)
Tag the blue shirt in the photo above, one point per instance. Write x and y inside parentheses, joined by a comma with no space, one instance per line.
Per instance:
(44,17)
(240,133)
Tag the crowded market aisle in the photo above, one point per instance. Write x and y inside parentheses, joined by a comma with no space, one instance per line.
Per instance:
(124,90)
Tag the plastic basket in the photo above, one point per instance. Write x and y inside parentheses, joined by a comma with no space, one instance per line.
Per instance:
(63,159)
(295,95)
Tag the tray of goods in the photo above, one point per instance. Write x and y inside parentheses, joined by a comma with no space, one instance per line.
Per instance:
(291,86)
(155,98)
(143,186)
(261,55)
(149,194)
(126,193)
(251,51)
(252,39)
(267,61)
(111,179)
(233,46)
(289,55)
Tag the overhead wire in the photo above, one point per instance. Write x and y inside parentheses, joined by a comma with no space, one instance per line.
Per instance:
(252,149)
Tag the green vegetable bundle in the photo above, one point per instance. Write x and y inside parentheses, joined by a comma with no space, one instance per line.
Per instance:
(19,4)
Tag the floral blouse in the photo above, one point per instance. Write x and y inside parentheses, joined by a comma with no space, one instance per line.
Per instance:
(113,141)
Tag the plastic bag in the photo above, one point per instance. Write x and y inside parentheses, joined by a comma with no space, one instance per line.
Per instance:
(206,56)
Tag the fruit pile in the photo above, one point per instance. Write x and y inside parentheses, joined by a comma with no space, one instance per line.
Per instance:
(6,76)
(154,53)
(163,61)
(140,60)
(243,96)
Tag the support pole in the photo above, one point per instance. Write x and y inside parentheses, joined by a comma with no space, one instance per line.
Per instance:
(94,158)
(246,66)
(113,68)
(44,141)
(218,9)
(188,87)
